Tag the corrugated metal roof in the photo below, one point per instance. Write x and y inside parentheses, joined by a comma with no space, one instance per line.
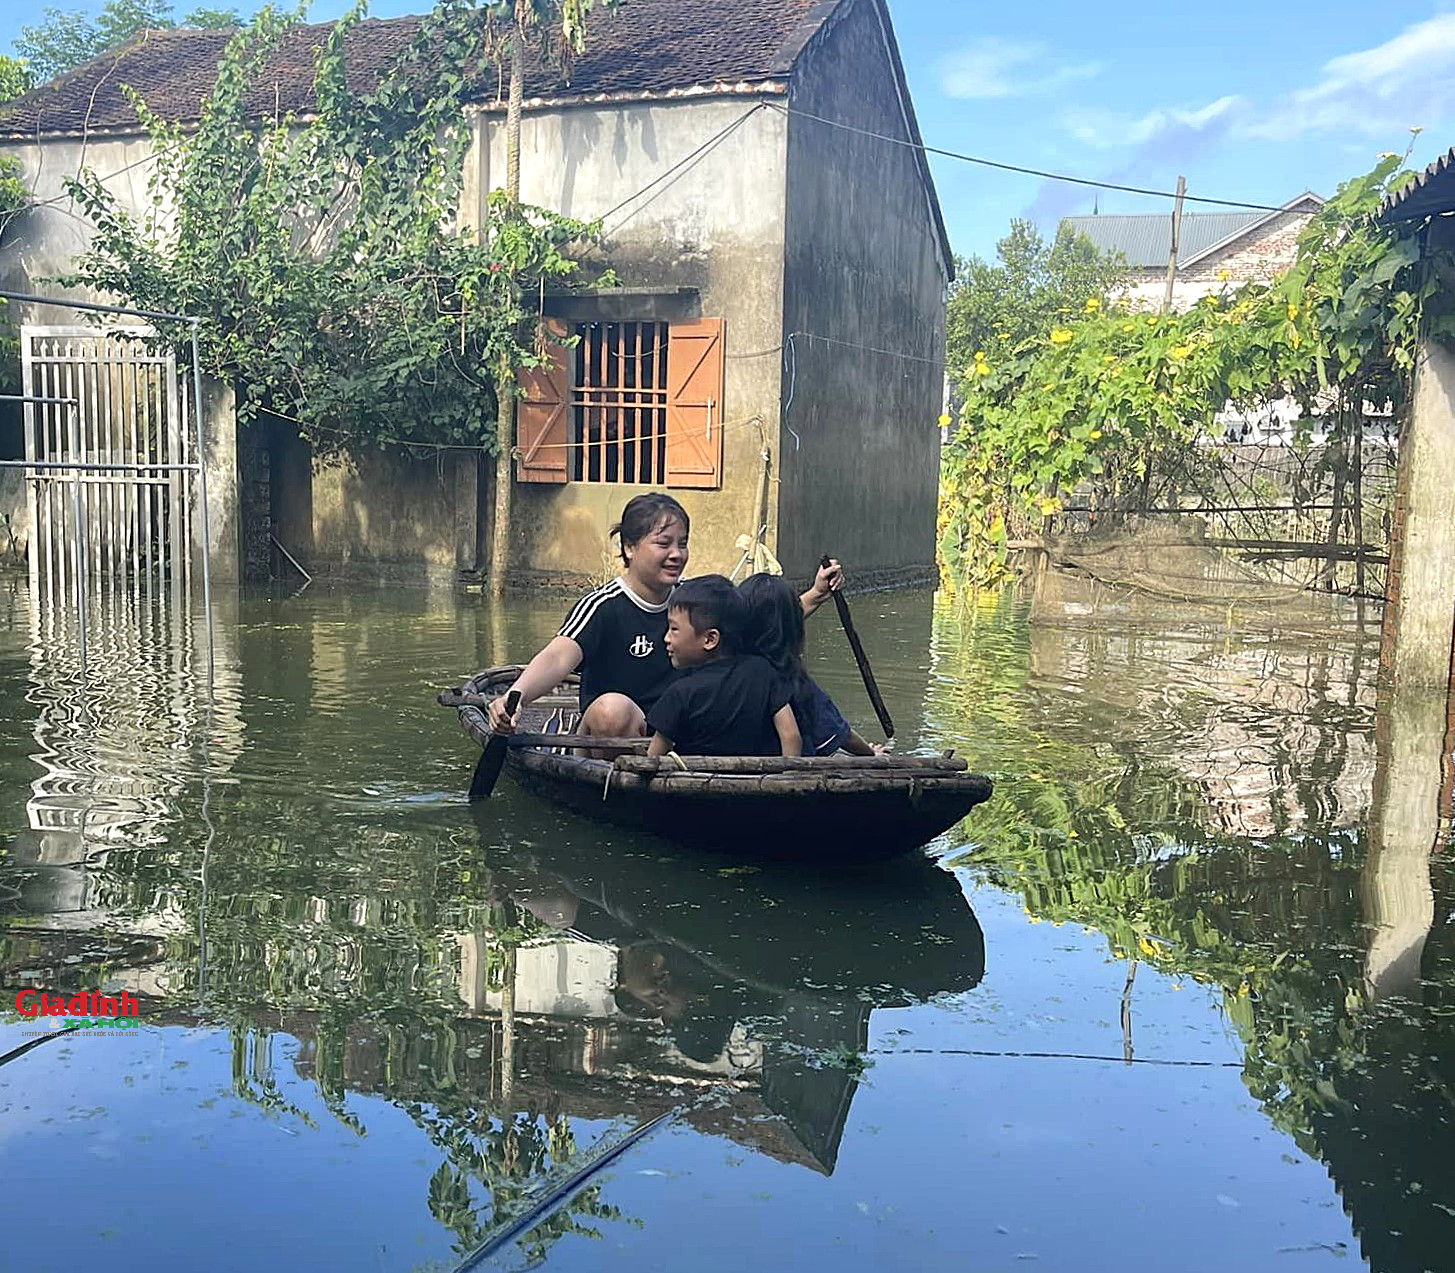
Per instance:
(1145,239)
(1430,194)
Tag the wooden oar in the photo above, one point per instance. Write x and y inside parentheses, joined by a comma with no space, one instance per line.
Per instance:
(862,660)
(492,757)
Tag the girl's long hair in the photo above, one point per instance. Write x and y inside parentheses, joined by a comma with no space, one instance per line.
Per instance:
(775,623)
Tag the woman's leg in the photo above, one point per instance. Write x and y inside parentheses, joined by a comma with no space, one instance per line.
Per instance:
(613,716)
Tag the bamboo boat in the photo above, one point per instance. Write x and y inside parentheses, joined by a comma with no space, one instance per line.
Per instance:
(830,808)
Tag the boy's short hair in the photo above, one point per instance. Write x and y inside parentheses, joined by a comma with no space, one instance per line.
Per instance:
(711,601)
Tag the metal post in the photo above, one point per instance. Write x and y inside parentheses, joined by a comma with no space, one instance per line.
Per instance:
(202,499)
(78,530)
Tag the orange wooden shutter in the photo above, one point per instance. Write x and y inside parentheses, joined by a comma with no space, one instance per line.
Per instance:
(543,413)
(694,403)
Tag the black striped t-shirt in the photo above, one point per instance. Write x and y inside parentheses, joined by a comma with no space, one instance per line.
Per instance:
(623,642)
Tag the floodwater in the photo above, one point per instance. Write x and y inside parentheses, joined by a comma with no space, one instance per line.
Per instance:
(1181,996)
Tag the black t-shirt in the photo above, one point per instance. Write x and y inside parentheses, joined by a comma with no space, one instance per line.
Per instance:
(722,708)
(623,642)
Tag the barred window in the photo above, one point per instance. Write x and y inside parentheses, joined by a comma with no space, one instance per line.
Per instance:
(627,402)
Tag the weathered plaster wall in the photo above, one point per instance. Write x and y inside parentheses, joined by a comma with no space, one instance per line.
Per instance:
(716,225)
(863,267)
(384,515)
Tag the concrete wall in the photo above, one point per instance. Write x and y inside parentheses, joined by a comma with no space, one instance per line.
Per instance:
(383,515)
(863,267)
(715,225)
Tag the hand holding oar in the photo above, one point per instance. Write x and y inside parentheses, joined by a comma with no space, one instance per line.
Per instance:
(493,756)
(862,660)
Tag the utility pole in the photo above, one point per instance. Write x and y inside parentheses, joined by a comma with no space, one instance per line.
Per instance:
(1176,236)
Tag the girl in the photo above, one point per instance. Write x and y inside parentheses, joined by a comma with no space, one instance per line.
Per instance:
(617,634)
(776,632)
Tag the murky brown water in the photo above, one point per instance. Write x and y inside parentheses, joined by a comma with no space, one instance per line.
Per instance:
(1180,996)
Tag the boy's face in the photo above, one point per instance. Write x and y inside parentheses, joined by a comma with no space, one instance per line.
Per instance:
(686,646)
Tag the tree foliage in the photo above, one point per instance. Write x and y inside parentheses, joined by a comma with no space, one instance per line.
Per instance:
(15,78)
(325,257)
(64,40)
(997,307)
(1101,393)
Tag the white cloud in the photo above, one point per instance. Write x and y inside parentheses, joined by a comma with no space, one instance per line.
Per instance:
(1108,130)
(1408,80)
(990,67)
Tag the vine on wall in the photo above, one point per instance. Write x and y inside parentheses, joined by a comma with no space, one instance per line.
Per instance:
(1108,397)
(325,255)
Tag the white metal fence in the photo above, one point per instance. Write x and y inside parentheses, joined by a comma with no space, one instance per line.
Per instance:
(106,408)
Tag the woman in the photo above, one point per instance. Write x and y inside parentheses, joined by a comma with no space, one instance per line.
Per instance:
(617,634)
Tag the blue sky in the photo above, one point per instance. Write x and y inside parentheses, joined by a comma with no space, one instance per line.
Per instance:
(1247,100)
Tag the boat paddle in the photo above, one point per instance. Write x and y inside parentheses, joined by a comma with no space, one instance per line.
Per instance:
(493,757)
(862,660)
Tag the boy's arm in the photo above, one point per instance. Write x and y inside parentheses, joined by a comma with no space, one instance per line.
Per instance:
(660,745)
(857,745)
(790,742)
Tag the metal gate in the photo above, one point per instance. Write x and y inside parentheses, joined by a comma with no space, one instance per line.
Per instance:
(108,446)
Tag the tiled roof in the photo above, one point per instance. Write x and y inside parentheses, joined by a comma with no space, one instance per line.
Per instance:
(647,47)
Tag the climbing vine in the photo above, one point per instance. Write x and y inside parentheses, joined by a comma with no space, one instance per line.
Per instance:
(1108,394)
(325,255)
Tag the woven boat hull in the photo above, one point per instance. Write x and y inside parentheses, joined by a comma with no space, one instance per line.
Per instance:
(834,809)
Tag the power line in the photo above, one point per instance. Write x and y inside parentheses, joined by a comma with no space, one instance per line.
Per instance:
(1028,172)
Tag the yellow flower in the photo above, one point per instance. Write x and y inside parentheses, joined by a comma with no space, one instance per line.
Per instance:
(1223,276)
(1061,336)
(1093,305)
(1292,311)
(982,369)
(1295,340)
(1179,351)
(1095,435)
(943,421)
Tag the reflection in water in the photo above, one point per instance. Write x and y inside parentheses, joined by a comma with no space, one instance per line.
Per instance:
(479,1000)
(519,990)
(1226,803)
(1404,830)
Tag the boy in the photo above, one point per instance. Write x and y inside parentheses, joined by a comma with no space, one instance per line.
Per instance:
(725,703)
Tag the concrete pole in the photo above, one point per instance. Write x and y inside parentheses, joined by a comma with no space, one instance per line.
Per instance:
(1421,610)
(1176,239)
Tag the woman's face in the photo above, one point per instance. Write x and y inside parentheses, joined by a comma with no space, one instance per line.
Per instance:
(656,561)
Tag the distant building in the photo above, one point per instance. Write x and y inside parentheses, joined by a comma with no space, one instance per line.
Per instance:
(1215,249)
